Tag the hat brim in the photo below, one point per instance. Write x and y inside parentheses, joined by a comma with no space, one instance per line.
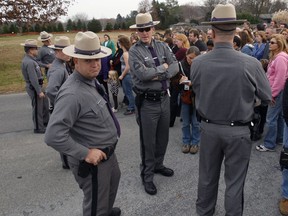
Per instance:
(30,46)
(56,48)
(146,26)
(223,22)
(70,51)
(40,39)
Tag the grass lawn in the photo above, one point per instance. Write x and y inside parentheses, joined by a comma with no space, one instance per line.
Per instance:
(12,53)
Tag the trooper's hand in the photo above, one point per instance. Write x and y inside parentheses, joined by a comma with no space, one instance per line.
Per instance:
(165,65)
(41,95)
(95,156)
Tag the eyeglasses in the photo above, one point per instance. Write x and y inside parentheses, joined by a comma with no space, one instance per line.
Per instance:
(144,29)
(272,42)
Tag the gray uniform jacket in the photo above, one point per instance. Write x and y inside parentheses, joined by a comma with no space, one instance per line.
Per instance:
(57,74)
(46,56)
(226,83)
(143,68)
(80,119)
(31,73)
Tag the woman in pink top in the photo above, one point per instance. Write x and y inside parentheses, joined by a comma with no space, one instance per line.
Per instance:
(277,74)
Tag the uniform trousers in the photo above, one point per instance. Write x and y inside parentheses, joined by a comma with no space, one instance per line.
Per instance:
(108,181)
(155,118)
(40,109)
(233,145)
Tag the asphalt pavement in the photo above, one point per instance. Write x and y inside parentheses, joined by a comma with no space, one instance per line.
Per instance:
(33,183)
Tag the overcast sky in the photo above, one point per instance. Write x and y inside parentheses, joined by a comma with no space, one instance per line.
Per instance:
(108,8)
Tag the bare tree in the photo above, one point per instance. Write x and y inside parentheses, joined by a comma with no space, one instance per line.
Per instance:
(144,6)
(80,16)
(31,11)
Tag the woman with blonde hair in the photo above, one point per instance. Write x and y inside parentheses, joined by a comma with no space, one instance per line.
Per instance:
(284,32)
(277,74)
(183,44)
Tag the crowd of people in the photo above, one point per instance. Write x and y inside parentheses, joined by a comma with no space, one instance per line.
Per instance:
(227,84)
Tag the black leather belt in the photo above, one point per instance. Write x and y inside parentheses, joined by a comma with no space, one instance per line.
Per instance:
(154,95)
(231,123)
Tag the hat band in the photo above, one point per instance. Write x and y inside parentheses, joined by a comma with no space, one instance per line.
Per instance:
(59,46)
(30,45)
(88,52)
(43,38)
(214,19)
(144,24)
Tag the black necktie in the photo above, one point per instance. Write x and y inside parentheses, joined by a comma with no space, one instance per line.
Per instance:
(105,97)
(157,63)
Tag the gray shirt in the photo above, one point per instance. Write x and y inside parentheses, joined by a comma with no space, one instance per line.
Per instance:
(226,83)
(143,68)
(80,119)
(46,55)
(31,73)
(57,74)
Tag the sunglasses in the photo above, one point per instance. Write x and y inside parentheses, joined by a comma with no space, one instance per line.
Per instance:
(144,29)
(272,42)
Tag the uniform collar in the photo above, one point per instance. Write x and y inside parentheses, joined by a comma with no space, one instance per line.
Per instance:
(83,79)
(223,45)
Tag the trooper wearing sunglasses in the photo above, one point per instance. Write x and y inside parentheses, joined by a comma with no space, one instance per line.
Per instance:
(152,64)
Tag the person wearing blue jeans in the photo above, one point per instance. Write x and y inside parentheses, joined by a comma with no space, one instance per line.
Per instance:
(190,124)
(125,44)
(275,125)
(127,88)
(190,129)
(277,74)
(283,205)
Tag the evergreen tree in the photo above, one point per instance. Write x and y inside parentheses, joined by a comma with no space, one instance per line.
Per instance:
(25,28)
(69,25)
(94,26)
(31,28)
(13,28)
(37,27)
(5,29)
(109,26)
(79,25)
(84,27)
(60,27)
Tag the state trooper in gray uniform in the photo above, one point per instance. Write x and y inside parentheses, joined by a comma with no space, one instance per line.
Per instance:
(83,126)
(226,83)
(34,81)
(152,64)
(46,55)
(57,75)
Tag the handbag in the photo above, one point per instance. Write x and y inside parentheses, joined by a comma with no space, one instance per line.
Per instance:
(186,96)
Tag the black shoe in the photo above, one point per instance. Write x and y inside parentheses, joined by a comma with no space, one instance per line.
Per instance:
(65,167)
(129,112)
(115,212)
(39,131)
(165,171)
(150,188)
(256,136)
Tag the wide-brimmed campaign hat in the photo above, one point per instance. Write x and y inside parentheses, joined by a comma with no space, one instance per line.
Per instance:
(223,14)
(60,42)
(44,36)
(144,20)
(87,46)
(32,43)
